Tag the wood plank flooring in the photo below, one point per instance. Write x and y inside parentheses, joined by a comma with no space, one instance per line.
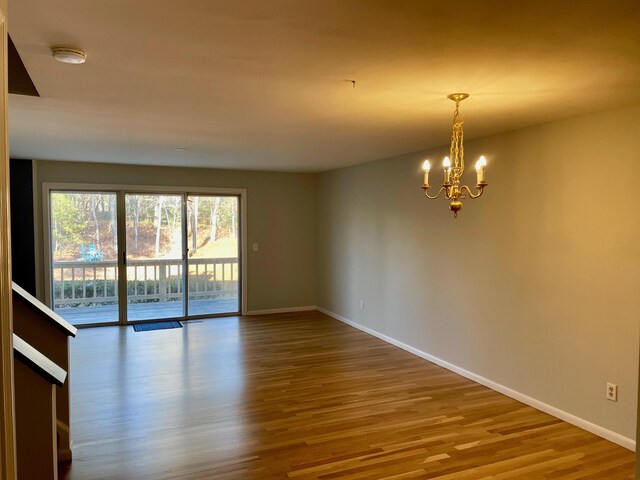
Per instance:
(302,396)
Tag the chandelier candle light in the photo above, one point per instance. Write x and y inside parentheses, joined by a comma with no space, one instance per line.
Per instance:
(453,171)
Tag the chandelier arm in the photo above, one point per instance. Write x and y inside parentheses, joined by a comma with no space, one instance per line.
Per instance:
(471,195)
(436,195)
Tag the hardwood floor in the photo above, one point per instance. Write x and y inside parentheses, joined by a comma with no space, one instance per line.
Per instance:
(303,396)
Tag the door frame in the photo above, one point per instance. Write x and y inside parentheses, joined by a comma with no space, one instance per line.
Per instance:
(7,415)
(120,190)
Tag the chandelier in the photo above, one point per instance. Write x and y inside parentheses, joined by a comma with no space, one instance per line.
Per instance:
(454,166)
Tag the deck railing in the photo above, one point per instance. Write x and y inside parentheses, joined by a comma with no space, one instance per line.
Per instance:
(80,283)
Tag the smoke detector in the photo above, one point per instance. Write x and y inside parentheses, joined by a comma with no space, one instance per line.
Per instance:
(69,55)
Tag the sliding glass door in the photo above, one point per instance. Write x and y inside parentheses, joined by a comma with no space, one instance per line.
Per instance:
(213,248)
(83,250)
(171,243)
(154,256)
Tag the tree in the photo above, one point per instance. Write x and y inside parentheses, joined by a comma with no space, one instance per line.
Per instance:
(214,219)
(194,225)
(157,223)
(67,231)
(113,210)
(233,201)
(93,205)
(135,211)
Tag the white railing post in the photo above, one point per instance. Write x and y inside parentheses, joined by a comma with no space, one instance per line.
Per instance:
(162,283)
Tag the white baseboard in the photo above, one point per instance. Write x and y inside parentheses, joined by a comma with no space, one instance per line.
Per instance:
(281,310)
(614,437)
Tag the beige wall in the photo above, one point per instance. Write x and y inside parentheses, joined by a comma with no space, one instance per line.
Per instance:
(536,286)
(280,218)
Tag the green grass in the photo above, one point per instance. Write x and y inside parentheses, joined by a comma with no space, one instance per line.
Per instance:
(222,248)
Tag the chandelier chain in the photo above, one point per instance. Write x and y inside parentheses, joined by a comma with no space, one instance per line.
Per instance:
(456,150)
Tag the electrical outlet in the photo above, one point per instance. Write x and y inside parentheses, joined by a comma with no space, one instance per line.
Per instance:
(612,392)
(361,304)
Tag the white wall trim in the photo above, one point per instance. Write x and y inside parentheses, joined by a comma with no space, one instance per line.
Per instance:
(614,437)
(282,310)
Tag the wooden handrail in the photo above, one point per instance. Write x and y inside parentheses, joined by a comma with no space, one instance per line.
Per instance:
(46,332)
(143,261)
(38,362)
(48,314)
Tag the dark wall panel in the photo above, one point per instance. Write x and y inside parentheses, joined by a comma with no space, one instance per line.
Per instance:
(19,80)
(22,242)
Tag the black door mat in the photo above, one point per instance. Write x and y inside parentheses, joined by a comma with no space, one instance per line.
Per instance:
(145,327)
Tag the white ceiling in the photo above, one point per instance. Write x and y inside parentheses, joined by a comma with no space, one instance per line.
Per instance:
(260,84)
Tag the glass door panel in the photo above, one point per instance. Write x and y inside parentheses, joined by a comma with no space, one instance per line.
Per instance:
(213,254)
(154,256)
(84,256)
